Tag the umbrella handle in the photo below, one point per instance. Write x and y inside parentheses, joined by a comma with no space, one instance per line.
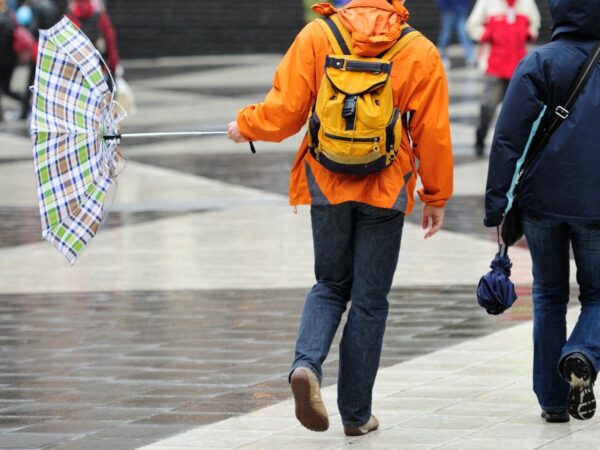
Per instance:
(502,247)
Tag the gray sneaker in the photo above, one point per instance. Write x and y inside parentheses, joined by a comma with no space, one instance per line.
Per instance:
(371,425)
(310,409)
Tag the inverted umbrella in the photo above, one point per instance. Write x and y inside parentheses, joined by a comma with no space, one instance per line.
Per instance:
(75,129)
(495,292)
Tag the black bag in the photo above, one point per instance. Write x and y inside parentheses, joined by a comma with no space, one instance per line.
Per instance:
(511,228)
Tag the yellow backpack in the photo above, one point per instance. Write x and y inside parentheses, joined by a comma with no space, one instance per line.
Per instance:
(355,128)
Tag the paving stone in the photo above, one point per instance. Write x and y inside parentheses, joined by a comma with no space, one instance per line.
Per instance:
(68,426)
(31,440)
(95,443)
(19,226)
(184,419)
(137,431)
(14,423)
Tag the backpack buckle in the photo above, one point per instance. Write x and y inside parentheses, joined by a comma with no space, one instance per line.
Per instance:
(561,112)
(349,108)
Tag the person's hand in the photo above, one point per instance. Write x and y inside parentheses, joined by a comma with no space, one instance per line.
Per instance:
(433,219)
(233,133)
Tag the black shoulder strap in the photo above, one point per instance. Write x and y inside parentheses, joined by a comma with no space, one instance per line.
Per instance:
(554,118)
(338,35)
(562,112)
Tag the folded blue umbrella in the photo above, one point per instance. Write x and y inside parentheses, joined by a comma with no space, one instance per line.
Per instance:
(496,293)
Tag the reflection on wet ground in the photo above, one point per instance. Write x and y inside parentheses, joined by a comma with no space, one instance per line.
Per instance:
(20,226)
(268,171)
(137,72)
(77,365)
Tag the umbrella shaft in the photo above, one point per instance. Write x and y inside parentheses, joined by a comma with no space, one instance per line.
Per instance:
(182,133)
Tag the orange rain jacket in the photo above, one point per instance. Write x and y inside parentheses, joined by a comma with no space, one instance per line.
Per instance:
(420,89)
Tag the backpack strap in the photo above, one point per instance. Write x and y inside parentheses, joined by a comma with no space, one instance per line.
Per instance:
(338,36)
(406,35)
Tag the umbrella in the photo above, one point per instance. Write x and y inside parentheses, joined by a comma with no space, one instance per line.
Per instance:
(75,129)
(496,293)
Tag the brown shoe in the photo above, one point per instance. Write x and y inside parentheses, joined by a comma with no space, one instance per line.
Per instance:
(310,409)
(371,425)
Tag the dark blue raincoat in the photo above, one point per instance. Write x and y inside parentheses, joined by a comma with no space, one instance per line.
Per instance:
(563,182)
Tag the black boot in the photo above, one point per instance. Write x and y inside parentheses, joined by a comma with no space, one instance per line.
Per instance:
(555,416)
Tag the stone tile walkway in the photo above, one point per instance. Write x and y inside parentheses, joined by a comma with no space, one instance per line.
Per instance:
(180,317)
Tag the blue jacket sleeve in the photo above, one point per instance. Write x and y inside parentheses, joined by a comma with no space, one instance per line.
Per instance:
(522,108)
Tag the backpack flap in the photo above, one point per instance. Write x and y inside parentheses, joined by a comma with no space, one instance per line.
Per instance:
(354,127)
(369,73)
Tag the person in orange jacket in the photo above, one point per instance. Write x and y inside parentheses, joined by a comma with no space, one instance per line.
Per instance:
(357,220)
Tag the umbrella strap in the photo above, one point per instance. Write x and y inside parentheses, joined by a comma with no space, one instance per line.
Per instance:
(502,248)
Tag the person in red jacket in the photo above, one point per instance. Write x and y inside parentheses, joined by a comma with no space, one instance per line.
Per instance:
(506,26)
(97,26)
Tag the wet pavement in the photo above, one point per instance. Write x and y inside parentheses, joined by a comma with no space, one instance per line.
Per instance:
(183,311)
(95,367)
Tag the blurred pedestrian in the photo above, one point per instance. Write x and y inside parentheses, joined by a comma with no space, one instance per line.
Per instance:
(453,17)
(38,15)
(559,203)
(45,15)
(8,57)
(357,220)
(506,26)
(62,7)
(97,26)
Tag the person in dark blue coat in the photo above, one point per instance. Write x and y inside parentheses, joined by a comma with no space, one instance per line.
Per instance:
(559,196)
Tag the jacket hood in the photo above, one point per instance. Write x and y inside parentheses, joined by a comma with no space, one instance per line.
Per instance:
(575,17)
(375,25)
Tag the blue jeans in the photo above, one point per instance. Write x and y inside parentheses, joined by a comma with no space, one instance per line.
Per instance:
(549,241)
(452,20)
(356,252)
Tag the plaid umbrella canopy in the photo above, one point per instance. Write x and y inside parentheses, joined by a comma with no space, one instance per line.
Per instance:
(73,109)
(75,129)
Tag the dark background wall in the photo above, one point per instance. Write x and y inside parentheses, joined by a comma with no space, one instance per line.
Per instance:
(150,28)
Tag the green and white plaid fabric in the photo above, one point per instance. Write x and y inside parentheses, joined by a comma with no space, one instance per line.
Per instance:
(73,109)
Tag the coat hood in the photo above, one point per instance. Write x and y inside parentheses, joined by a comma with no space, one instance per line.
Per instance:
(575,17)
(375,25)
